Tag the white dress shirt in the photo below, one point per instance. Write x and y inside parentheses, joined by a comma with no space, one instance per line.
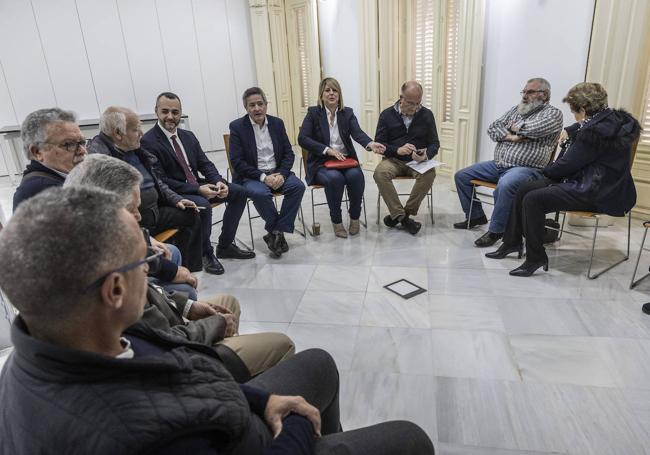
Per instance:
(336,143)
(178,140)
(265,156)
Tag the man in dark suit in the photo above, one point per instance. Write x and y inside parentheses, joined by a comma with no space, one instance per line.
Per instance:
(54,144)
(182,159)
(160,207)
(408,131)
(261,155)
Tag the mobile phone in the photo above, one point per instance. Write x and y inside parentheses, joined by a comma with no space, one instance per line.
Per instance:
(421,151)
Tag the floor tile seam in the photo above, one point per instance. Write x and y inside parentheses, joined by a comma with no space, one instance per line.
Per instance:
(513,451)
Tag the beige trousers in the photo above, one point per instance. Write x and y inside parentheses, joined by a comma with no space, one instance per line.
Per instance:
(258,351)
(386,171)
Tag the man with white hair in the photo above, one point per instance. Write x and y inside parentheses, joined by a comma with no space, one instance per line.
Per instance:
(212,320)
(526,138)
(160,207)
(54,145)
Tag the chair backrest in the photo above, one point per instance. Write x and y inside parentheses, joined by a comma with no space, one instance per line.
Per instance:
(226,143)
(303,159)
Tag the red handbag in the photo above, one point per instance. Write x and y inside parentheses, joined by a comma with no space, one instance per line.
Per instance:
(341,164)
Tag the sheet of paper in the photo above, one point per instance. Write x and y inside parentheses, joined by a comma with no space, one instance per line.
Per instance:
(424,166)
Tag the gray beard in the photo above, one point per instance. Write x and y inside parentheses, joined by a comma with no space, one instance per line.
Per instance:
(527,108)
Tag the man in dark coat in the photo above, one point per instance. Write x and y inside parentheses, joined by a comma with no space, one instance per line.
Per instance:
(189,172)
(83,379)
(54,145)
(160,207)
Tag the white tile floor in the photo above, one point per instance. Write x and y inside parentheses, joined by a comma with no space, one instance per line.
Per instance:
(484,362)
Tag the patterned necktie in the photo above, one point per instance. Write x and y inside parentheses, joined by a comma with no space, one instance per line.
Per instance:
(181,159)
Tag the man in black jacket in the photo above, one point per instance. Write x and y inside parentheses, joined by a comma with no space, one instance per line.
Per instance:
(160,207)
(54,145)
(408,131)
(189,172)
(83,379)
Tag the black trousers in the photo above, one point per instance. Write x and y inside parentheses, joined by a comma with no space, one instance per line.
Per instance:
(531,204)
(236,201)
(312,374)
(188,238)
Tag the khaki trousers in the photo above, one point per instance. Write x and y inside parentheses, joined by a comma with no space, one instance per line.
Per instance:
(258,351)
(386,171)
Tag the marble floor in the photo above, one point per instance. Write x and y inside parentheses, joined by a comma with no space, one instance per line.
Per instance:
(484,362)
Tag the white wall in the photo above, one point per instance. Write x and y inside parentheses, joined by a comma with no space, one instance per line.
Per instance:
(339,49)
(85,55)
(524,39)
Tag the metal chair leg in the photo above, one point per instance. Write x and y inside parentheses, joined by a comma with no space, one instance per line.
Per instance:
(593,248)
(378,208)
(250,225)
(636,266)
(430,196)
(471,206)
(365,217)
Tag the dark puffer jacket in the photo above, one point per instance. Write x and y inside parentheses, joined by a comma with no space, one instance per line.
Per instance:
(596,165)
(59,400)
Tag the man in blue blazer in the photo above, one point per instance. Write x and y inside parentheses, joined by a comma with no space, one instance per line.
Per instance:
(261,157)
(182,159)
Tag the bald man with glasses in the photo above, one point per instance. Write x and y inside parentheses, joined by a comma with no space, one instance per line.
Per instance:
(408,131)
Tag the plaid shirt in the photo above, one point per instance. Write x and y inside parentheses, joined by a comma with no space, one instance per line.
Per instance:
(542,129)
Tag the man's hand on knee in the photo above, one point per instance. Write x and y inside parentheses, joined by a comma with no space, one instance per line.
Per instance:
(278,407)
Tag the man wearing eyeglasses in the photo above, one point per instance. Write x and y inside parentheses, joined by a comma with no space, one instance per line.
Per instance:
(54,145)
(526,137)
(408,131)
(86,377)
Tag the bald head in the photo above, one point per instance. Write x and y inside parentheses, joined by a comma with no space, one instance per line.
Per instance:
(410,98)
(122,125)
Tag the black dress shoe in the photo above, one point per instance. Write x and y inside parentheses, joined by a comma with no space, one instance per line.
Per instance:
(390,222)
(646,308)
(273,242)
(413,227)
(473,222)
(528,268)
(232,251)
(212,265)
(284,246)
(505,250)
(488,239)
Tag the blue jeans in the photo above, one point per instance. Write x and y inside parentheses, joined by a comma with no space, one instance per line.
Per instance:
(177,287)
(262,197)
(335,181)
(507,180)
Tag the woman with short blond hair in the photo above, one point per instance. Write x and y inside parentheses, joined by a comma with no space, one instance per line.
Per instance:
(326,134)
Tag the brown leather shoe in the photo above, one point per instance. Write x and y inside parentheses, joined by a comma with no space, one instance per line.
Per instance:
(339,230)
(354,227)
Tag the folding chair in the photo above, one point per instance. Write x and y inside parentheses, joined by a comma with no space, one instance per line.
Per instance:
(633,283)
(596,216)
(314,186)
(276,194)
(429,199)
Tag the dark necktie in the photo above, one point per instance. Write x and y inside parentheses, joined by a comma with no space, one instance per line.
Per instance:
(181,159)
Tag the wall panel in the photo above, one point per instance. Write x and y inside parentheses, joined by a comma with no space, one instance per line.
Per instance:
(65,52)
(109,65)
(243,59)
(216,61)
(176,21)
(24,64)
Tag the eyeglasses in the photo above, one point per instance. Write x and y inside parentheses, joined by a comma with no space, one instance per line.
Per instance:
(153,258)
(70,146)
(410,103)
(530,92)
